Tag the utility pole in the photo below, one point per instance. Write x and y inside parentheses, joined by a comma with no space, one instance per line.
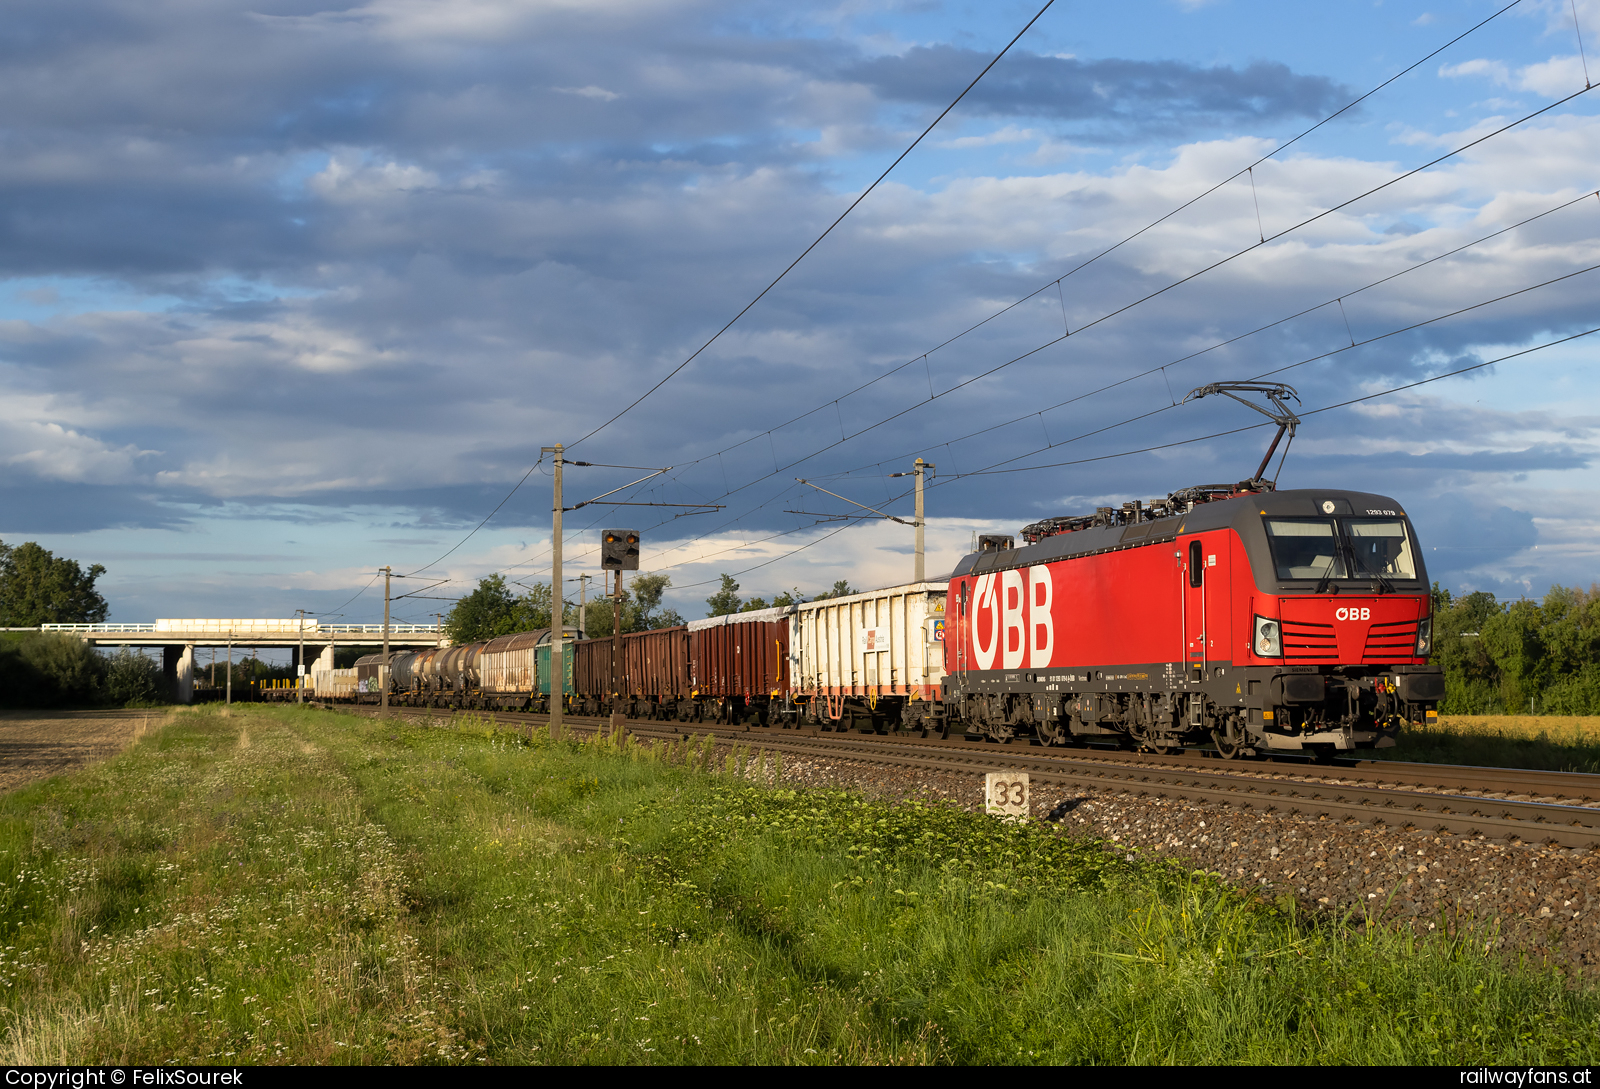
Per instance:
(558,629)
(300,681)
(383,668)
(230,670)
(616,657)
(619,552)
(920,471)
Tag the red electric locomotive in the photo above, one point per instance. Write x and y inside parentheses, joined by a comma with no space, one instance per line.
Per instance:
(1256,620)
(1238,615)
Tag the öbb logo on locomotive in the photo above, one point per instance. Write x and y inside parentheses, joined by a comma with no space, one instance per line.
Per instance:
(1234,616)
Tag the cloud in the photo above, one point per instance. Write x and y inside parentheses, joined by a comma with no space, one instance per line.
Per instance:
(34,509)
(1135,95)
(1554,78)
(1495,71)
(590,91)
(352,270)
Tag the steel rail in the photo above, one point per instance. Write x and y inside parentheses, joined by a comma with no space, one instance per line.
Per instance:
(1571,786)
(1569,826)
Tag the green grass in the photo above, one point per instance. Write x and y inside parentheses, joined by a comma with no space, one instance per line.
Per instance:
(287,885)
(1540,742)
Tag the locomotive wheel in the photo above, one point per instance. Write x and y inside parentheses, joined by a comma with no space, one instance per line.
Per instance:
(1228,747)
(1050,733)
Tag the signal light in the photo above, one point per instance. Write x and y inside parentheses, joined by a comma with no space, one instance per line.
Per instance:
(619,550)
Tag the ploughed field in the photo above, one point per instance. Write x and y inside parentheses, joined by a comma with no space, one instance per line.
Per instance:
(38,744)
(297,885)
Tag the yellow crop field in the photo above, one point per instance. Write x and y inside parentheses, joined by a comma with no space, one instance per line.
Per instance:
(1561,729)
(1550,742)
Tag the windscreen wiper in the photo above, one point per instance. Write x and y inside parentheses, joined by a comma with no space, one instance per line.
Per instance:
(1387,587)
(1322,583)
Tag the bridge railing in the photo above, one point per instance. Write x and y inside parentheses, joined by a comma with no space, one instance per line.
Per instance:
(310,633)
(83,629)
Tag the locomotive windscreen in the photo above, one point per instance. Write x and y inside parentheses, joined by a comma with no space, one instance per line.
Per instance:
(1317,548)
(1379,546)
(1305,549)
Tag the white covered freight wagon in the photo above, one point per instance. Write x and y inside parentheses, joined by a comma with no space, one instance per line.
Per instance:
(872,660)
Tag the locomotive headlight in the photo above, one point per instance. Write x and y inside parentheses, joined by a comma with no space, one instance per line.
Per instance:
(1269,638)
(1425,637)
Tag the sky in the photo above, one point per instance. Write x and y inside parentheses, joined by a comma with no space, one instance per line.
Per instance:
(290,292)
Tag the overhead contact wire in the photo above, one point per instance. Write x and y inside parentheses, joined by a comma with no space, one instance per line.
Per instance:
(1154,223)
(669,376)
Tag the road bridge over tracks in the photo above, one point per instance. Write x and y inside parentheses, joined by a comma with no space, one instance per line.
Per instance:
(179,638)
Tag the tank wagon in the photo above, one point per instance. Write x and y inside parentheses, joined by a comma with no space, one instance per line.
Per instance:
(510,672)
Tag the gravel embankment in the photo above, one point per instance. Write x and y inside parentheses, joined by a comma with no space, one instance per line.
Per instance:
(1540,901)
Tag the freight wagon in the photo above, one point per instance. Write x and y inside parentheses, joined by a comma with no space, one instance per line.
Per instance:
(873,660)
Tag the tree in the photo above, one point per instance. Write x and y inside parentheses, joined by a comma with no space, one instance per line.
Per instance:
(726,600)
(132,678)
(49,669)
(641,608)
(754,604)
(648,613)
(492,610)
(1512,637)
(599,624)
(1497,656)
(841,588)
(37,588)
(789,597)
(476,616)
(1472,678)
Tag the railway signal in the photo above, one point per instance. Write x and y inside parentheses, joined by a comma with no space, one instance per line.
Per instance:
(619,550)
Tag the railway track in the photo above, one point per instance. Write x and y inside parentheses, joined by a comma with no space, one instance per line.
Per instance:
(1504,803)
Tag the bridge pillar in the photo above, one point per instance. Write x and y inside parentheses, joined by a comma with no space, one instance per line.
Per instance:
(186,674)
(177,668)
(324,660)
